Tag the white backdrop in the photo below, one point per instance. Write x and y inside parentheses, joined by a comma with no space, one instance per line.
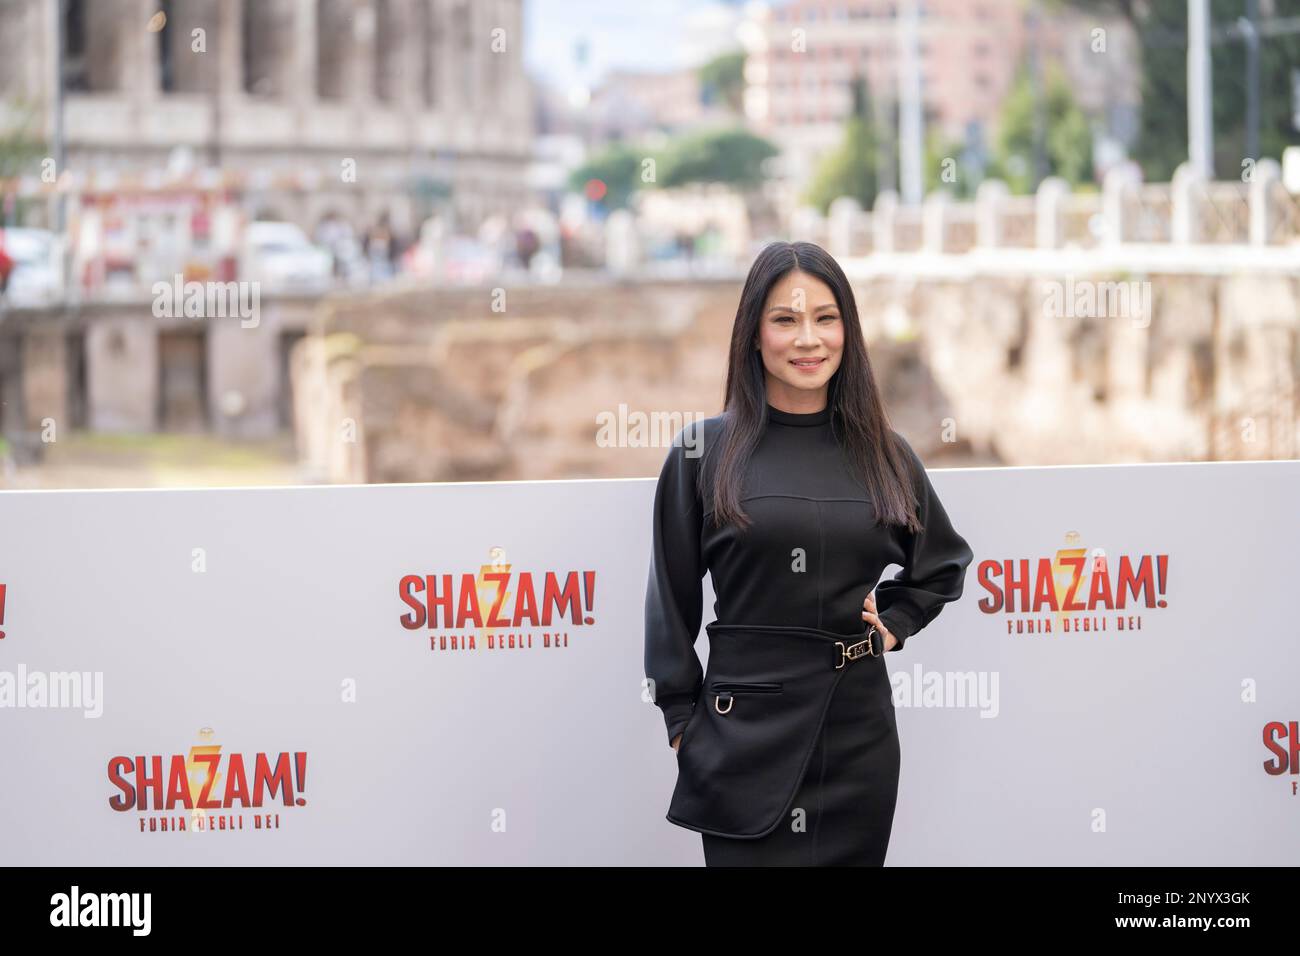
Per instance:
(268,620)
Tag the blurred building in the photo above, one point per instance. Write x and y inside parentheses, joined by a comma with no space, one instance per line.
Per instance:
(311,111)
(798,84)
(628,104)
(395,104)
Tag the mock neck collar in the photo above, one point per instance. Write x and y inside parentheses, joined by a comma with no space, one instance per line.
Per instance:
(799,419)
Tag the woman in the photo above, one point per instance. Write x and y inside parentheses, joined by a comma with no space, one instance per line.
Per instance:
(795,498)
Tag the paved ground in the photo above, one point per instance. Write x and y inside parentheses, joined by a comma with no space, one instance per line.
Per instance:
(85,460)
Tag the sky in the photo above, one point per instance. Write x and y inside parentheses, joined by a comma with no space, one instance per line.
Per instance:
(651,35)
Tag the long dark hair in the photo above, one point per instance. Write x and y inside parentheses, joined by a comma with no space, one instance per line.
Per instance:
(858,418)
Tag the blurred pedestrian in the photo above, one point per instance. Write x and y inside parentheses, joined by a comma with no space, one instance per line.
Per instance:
(6,264)
(331,234)
(526,245)
(379,249)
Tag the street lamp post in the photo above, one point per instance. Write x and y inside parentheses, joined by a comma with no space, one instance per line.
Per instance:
(1200,119)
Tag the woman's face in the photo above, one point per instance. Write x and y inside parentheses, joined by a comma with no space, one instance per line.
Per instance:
(801,336)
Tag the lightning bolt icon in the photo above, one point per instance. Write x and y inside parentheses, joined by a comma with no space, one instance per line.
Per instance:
(192,767)
(1063,576)
(487,592)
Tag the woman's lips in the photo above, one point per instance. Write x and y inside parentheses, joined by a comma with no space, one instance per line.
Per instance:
(807,365)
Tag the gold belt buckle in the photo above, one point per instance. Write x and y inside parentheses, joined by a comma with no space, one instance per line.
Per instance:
(854,651)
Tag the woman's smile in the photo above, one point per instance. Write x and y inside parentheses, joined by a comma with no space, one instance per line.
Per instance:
(808,364)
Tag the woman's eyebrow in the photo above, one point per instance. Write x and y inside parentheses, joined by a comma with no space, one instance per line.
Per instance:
(786,308)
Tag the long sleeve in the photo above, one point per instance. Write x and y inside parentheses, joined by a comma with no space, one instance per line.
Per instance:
(674,598)
(934,565)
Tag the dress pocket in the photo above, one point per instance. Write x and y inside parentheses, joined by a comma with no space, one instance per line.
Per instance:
(724,693)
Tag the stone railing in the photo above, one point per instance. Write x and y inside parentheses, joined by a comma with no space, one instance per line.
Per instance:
(1257,211)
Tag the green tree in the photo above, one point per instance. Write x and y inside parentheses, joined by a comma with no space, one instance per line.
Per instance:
(619,167)
(1067,140)
(734,156)
(723,78)
(942,157)
(850,170)
(731,156)
(21,148)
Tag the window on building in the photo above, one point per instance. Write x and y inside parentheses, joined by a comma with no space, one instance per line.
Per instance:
(334,28)
(182,69)
(267,31)
(465,52)
(389,36)
(93,42)
(76,75)
(426,26)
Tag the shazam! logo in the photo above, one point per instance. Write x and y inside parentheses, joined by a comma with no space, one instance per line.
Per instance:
(1075,590)
(203,780)
(1282,739)
(499,608)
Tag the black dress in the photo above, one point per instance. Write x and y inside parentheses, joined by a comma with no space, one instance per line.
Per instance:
(798,576)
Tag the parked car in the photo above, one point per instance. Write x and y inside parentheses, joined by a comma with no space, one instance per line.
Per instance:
(469,262)
(453,260)
(281,257)
(36,276)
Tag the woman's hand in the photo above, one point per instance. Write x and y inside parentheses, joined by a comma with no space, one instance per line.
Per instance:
(869,615)
(677,741)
